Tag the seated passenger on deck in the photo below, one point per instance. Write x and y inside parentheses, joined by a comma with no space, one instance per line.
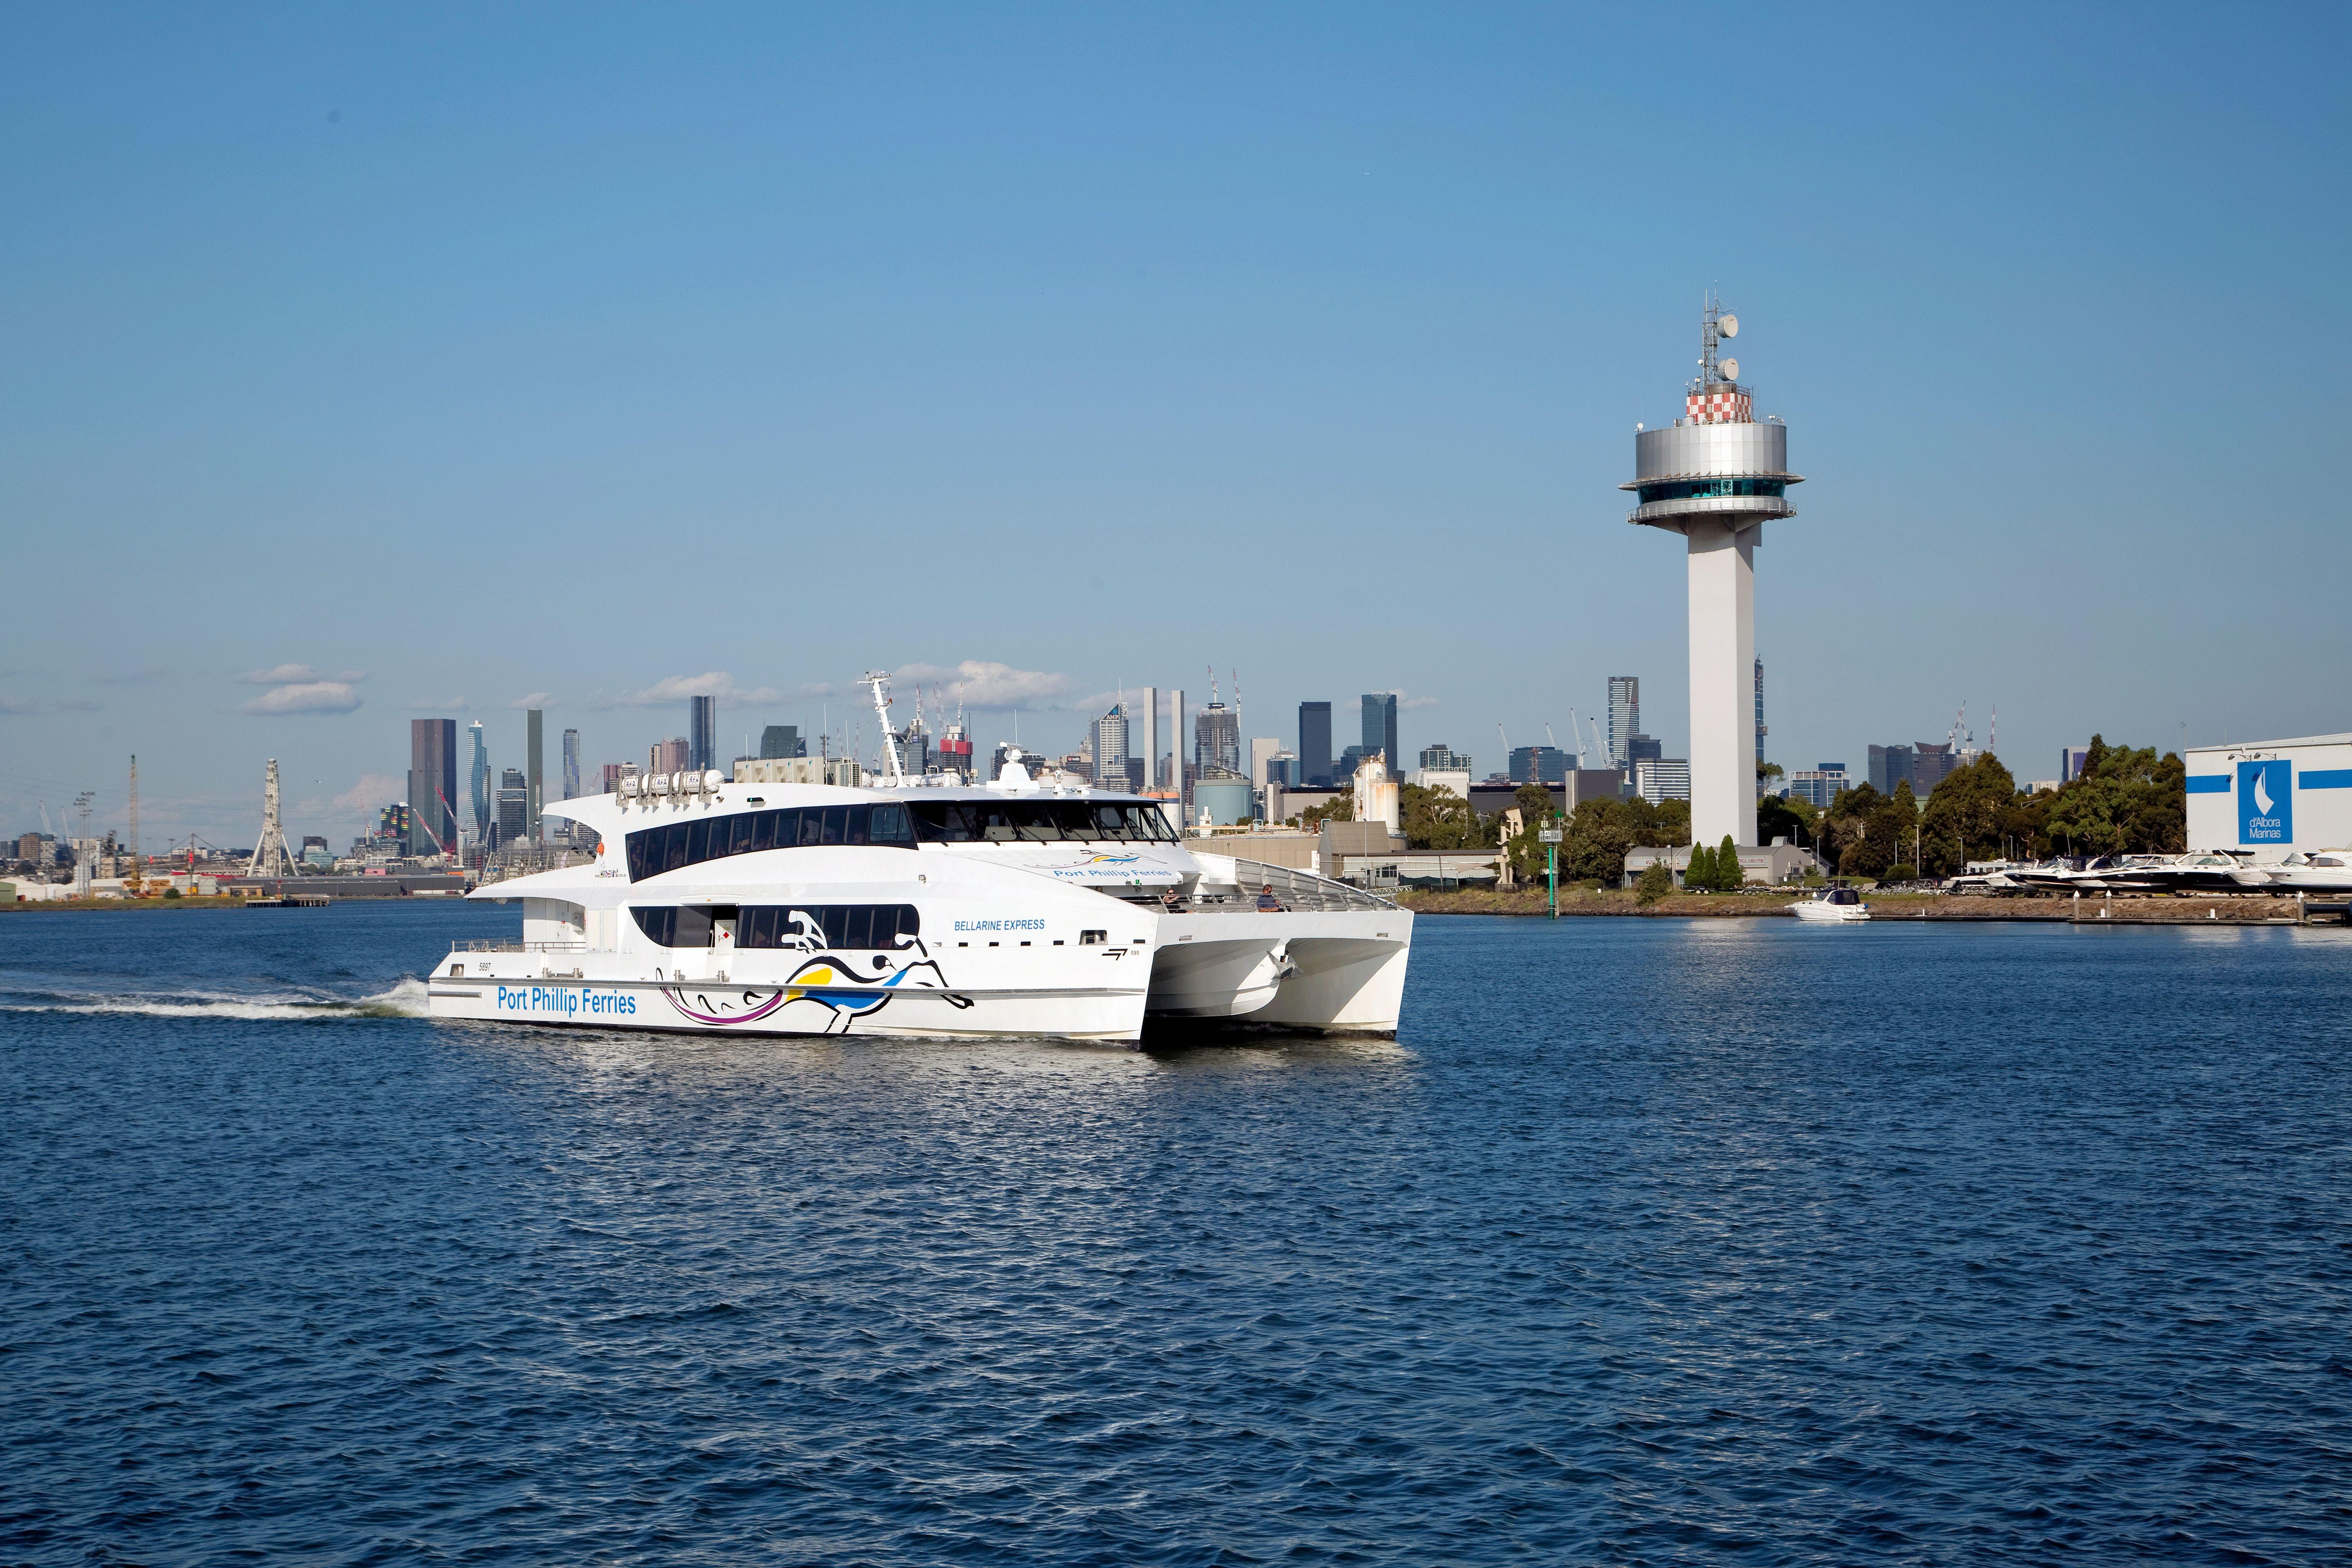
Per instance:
(1268,902)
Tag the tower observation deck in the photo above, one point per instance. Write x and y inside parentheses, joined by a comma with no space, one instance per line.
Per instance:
(1715,476)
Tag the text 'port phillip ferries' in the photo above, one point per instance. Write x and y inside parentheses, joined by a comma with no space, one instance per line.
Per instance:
(920,905)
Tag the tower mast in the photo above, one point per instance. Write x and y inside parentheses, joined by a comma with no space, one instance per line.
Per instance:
(1715,476)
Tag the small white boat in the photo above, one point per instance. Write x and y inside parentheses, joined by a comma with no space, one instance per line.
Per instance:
(1839,905)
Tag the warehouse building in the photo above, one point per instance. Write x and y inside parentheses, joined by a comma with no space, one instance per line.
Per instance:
(2275,798)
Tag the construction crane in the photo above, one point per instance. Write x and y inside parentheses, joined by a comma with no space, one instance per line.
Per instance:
(1576,733)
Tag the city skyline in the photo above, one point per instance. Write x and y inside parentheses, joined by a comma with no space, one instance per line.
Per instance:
(1105,298)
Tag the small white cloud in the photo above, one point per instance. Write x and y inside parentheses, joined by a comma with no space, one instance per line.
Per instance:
(983,683)
(536,699)
(373,791)
(448,705)
(305,697)
(280,675)
(674,689)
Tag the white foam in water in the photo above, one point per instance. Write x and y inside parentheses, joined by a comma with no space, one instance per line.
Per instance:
(405,999)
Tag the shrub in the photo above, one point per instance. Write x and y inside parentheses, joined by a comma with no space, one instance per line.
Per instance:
(171,892)
(1654,883)
(1901,872)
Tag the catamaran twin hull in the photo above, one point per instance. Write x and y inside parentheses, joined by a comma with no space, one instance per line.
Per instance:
(800,910)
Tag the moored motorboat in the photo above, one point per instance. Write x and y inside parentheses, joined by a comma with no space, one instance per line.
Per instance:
(1839,906)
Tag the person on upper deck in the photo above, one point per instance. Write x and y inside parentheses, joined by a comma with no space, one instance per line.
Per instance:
(1267,901)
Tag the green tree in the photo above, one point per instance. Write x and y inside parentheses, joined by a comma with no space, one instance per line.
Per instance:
(1967,817)
(1699,877)
(1595,841)
(1340,807)
(1439,819)
(1654,883)
(2124,802)
(1728,877)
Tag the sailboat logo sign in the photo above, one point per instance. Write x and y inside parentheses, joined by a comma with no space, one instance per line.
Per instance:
(2265,803)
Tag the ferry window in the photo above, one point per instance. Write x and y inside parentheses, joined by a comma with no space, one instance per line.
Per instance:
(1110,822)
(946,821)
(836,817)
(811,827)
(698,841)
(892,825)
(856,926)
(672,926)
(859,816)
(739,842)
(764,830)
(674,847)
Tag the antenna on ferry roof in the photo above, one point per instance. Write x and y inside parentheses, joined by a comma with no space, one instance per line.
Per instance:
(881,685)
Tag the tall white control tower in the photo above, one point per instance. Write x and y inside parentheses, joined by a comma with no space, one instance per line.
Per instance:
(1714,476)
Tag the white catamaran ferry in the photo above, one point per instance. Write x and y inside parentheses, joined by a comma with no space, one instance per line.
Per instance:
(919,907)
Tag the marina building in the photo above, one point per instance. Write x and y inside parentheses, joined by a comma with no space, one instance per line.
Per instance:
(2271,798)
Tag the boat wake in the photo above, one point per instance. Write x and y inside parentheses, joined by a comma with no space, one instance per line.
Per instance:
(404,999)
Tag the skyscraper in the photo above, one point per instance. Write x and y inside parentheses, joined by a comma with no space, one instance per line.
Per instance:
(702,733)
(481,780)
(570,763)
(778,740)
(432,785)
(514,806)
(1109,735)
(1315,744)
(1381,727)
(1217,739)
(534,761)
(1538,764)
(1624,718)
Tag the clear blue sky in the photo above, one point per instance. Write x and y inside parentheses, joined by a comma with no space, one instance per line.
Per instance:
(456,359)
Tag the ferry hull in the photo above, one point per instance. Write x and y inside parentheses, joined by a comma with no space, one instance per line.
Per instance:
(699,1007)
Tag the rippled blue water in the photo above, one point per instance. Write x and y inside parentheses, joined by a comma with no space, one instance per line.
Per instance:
(1650,1241)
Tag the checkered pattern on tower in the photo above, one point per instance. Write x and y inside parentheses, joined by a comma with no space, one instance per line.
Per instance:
(1723,405)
